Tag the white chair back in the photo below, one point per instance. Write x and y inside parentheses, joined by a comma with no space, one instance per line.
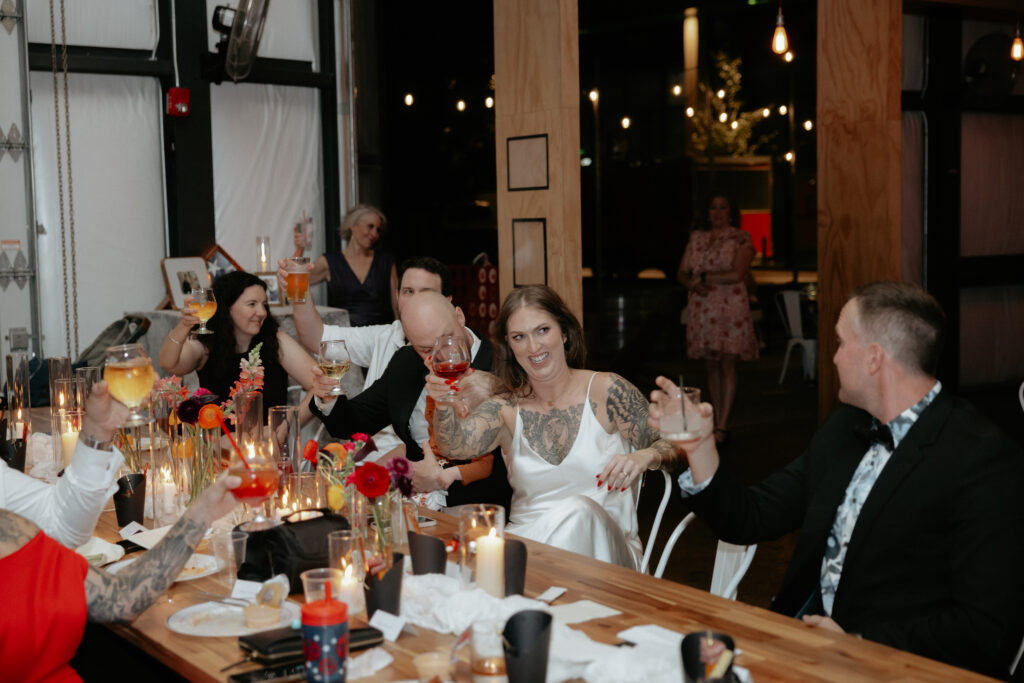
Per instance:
(788,302)
(731,561)
(1020,395)
(653,536)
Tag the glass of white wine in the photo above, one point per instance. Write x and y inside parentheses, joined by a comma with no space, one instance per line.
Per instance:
(206,305)
(129,374)
(334,360)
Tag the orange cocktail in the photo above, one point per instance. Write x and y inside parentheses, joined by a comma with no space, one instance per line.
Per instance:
(258,483)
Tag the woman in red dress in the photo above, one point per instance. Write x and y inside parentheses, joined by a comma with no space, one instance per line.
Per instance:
(719,328)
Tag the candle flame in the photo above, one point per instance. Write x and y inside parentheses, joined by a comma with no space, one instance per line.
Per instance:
(309,502)
(493,533)
(60,398)
(252,452)
(284,499)
(165,474)
(348,568)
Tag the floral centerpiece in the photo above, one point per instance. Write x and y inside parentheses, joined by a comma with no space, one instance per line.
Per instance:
(336,461)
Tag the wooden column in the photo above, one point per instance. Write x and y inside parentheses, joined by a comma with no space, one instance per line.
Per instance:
(537,134)
(859,235)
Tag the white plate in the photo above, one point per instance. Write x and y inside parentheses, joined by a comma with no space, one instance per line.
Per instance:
(197,567)
(217,619)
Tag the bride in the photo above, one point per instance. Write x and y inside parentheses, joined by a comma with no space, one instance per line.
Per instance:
(575,442)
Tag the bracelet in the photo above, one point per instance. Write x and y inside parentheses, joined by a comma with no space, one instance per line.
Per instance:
(171,337)
(92,442)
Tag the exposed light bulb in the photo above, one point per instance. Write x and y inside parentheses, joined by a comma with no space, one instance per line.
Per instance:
(1017,47)
(723,117)
(783,110)
(677,90)
(689,112)
(461,105)
(720,94)
(788,56)
(626,123)
(489,102)
(780,42)
(593,95)
(766,112)
(789,156)
(408,99)
(734,125)
(808,124)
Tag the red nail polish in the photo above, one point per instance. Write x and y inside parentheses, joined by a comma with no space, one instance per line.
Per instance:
(609,487)
(598,483)
(624,488)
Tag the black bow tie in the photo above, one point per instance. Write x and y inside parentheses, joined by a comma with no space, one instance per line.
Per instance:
(877,433)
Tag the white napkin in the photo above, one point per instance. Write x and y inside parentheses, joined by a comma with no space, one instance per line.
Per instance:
(99,552)
(39,457)
(150,537)
(580,611)
(368,663)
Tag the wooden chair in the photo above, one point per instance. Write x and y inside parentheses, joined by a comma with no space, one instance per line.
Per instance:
(731,561)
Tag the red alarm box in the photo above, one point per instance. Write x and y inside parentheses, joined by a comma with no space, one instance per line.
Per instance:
(178,101)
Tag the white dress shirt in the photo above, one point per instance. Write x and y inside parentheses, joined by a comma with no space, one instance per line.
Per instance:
(68,510)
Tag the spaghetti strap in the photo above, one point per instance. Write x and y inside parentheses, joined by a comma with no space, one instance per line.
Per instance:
(587,399)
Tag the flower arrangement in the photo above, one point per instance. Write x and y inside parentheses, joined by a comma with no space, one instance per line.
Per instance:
(336,461)
(249,379)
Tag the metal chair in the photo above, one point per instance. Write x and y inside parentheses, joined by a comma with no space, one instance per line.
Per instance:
(1020,395)
(731,561)
(788,303)
(653,536)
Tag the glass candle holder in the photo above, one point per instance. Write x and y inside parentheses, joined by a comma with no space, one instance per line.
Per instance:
(59,368)
(19,399)
(482,548)
(262,254)
(65,427)
(248,419)
(87,376)
(64,395)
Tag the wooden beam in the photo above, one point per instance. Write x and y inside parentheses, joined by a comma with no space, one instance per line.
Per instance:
(859,231)
(537,135)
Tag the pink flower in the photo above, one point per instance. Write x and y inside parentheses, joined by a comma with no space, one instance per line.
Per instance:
(359,436)
(201,392)
(349,446)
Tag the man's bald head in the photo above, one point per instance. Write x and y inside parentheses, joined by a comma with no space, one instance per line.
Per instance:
(427,316)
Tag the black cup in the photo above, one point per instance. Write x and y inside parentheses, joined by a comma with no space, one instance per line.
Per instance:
(130,499)
(527,638)
(694,669)
(385,593)
(515,567)
(428,554)
(13,453)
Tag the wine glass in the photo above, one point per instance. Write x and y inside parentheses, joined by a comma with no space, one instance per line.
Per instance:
(206,305)
(130,376)
(334,360)
(450,360)
(259,483)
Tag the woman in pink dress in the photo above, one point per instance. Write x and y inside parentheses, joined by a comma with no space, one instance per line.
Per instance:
(719,328)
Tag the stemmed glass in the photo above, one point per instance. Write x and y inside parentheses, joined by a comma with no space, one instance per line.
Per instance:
(259,483)
(450,361)
(130,376)
(206,305)
(334,360)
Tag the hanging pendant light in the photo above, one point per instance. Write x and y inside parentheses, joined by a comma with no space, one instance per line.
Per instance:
(780,42)
(1017,47)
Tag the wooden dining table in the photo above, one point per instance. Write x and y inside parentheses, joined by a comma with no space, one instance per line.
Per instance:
(774,647)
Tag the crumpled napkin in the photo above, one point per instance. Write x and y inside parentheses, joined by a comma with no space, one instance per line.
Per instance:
(368,663)
(99,552)
(39,457)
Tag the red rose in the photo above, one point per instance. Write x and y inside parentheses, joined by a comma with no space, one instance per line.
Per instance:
(359,436)
(372,480)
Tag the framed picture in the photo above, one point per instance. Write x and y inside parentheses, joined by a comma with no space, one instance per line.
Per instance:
(182,275)
(218,262)
(275,297)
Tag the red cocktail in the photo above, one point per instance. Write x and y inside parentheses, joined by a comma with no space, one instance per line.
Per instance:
(450,369)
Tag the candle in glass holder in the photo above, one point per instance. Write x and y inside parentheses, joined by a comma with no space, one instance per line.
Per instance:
(263,254)
(490,563)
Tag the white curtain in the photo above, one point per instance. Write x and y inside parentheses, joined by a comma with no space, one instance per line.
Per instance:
(266,167)
(117,165)
(125,24)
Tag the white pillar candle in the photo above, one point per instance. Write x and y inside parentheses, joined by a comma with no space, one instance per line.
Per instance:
(490,564)
(352,591)
(69,440)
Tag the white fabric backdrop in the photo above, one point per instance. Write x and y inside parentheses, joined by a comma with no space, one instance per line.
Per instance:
(126,24)
(118,201)
(266,167)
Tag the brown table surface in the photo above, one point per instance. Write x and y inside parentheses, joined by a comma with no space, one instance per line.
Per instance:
(775,648)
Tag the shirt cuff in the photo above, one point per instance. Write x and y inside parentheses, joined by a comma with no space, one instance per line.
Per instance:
(93,469)
(325,407)
(686,486)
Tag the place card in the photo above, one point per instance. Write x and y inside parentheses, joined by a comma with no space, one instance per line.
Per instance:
(148,538)
(131,529)
(581,610)
(652,634)
(388,624)
(246,590)
(551,594)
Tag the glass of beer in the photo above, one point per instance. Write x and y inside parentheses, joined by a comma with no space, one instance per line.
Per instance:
(333,359)
(297,278)
(206,305)
(130,376)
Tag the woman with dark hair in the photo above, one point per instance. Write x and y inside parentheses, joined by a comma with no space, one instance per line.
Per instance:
(719,326)
(575,442)
(240,323)
(359,279)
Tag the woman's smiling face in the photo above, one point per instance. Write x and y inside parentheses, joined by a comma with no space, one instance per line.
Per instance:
(537,342)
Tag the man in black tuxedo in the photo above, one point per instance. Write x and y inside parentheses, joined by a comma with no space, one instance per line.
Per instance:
(910,503)
(399,398)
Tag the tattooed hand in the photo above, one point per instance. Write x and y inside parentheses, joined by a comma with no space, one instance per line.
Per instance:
(624,469)
(627,412)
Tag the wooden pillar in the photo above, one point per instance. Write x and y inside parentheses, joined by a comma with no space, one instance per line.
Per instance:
(859,235)
(537,134)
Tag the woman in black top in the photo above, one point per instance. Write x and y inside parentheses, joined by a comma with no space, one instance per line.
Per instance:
(240,323)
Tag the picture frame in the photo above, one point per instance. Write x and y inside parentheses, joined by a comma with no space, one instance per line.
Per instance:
(219,262)
(182,275)
(275,295)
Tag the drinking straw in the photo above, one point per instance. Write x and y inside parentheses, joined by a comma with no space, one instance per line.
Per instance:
(410,519)
(238,450)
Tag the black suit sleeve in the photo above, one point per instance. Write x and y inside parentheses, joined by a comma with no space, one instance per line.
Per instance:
(367,412)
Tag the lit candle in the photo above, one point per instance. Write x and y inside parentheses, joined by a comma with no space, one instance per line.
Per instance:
(19,425)
(351,590)
(490,564)
(68,440)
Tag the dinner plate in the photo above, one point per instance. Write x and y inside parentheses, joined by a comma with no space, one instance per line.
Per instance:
(217,619)
(197,567)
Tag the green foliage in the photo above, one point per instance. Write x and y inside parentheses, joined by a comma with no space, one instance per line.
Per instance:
(734,136)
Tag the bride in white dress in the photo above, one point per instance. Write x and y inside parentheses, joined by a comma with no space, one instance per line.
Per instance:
(575,442)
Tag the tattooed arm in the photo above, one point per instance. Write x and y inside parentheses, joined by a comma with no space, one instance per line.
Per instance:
(461,437)
(125,595)
(626,411)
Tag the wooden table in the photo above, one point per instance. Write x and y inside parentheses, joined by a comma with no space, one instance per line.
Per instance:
(775,648)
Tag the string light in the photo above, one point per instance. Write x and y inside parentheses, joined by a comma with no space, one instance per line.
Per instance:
(677,90)
(789,156)
(783,110)
(489,102)
(808,124)
(1017,47)
(788,56)
(723,117)
(461,105)
(689,112)
(625,122)
(408,99)
(780,41)
(734,125)
(720,94)
(593,95)
(766,112)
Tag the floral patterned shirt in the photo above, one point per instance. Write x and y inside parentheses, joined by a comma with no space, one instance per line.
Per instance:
(857,491)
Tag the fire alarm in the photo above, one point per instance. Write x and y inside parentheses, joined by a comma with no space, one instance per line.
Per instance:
(178,101)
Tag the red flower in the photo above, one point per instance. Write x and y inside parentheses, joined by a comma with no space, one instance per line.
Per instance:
(309,451)
(372,480)
(359,436)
